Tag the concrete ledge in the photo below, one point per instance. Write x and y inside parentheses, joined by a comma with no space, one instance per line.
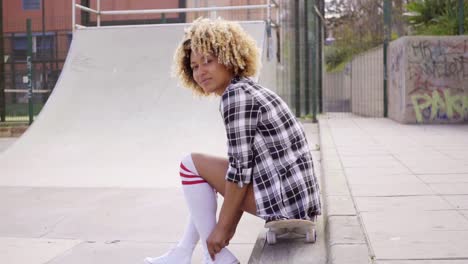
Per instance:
(256,255)
(345,230)
(349,254)
(291,250)
(345,238)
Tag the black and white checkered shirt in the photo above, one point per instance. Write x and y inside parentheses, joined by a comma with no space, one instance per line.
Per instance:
(268,147)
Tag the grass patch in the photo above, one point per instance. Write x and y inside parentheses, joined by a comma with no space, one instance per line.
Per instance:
(19,123)
(307,118)
(22,110)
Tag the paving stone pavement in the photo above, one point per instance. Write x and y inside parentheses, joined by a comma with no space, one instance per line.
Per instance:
(57,225)
(394,193)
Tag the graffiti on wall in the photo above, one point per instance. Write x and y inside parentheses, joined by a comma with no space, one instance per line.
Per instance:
(397,77)
(438,77)
(440,105)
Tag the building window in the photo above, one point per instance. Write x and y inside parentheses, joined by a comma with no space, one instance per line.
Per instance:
(31,4)
(43,46)
(20,47)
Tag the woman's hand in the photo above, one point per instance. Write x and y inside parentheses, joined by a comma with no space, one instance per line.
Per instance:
(218,239)
(229,217)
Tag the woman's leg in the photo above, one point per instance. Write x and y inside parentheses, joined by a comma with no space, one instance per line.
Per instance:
(182,253)
(201,198)
(213,169)
(200,175)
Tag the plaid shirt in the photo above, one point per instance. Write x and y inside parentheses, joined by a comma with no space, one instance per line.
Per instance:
(268,147)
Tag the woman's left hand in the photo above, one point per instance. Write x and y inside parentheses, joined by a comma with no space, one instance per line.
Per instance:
(218,239)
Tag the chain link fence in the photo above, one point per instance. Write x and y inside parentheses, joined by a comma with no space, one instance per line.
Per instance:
(49,55)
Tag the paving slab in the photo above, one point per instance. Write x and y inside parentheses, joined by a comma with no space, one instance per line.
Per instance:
(433,166)
(417,234)
(377,178)
(124,252)
(345,230)
(340,205)
(113,224)
(422,246)
(15,250)
(450,188)
(465,213)
(394,189)
(449,261)
(457,201)
(400,169)
(399,204)
(349,254)
(444,178)
(408,186)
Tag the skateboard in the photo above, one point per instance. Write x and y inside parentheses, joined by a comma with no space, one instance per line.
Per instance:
(291,228)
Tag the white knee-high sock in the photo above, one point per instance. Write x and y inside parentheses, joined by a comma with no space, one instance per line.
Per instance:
(200,198)
(202,204)
(190,237)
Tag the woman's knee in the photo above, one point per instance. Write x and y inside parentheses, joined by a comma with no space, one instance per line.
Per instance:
(188,172)
(187,163)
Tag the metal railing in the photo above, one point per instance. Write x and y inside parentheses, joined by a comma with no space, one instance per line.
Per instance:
(268,6)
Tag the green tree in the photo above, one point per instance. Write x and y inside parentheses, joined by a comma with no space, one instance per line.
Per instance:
(435,17)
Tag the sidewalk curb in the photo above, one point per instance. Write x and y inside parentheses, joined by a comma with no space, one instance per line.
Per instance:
(345,237)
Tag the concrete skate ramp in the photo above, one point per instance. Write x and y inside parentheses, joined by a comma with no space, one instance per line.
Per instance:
(116,117)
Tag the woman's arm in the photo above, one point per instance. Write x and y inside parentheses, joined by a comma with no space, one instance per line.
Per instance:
(229,217)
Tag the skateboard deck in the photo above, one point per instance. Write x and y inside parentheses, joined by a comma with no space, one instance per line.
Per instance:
(291,228)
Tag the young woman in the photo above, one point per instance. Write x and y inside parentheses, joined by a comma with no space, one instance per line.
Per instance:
(268,171)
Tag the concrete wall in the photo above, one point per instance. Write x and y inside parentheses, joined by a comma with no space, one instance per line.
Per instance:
(428,79)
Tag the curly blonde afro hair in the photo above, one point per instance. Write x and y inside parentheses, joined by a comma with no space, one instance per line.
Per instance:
(223,39)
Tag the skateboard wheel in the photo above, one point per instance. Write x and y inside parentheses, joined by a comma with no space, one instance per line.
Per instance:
(311,236)
(271,237)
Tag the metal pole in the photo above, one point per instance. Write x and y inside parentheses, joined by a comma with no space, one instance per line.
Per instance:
(73,16)
(44,77)
(297,58)
(2,69)
(387,36)
(84,15)
(99,13)
(308,65)
(185,10)
(320,64)
(461,18)
(268,12)
(313,49)
(29,66)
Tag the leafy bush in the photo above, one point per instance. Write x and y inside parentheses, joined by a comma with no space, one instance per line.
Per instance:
(435,17)
(335,56)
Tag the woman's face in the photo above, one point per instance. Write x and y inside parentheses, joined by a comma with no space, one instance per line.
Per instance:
(210,75)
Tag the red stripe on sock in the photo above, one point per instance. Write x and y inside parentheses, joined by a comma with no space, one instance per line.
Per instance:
(183,167)
(189,176)
(192,182)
